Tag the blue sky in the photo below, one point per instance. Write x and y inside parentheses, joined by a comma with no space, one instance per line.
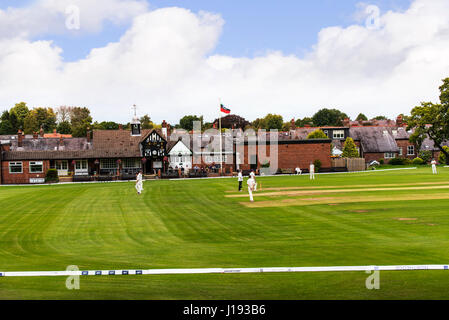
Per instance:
(265,58)
(251,27)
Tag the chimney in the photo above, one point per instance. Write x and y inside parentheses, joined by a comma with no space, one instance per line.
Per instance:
(19,138)
(307,125)
(293,125)
(399,121)
(164,129)
(41,132)
(61,141)
(89,135)
(35,135)
(120,127)
(346,122)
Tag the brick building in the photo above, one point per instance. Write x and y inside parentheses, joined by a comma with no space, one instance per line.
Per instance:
(119,154)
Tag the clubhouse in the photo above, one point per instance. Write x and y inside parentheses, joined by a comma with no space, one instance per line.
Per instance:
(105,155)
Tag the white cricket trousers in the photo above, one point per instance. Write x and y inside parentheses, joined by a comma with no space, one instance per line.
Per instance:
(250,194)
(434,169)
(312,176)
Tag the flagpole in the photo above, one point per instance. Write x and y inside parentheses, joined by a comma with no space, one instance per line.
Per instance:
(221,144)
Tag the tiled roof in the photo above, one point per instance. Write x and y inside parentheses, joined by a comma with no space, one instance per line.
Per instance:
(375,139)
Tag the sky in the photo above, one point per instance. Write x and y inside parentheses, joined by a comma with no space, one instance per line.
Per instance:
(173,58)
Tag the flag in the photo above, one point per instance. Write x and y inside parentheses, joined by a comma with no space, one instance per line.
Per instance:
(224,109)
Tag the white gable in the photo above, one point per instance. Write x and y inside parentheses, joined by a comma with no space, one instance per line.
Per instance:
(180,148)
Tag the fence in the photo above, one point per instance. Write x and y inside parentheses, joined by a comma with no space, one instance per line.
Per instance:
(351,164)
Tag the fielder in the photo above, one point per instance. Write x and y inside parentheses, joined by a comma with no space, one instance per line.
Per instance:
(139,182)
(298,171)
(251,185)
(434,166)
(240,179)
(253,176)
(312,171)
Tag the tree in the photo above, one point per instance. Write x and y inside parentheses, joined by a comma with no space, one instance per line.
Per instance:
(5,124)
(106,125)
(317,134)
(80,120)
(432,120)
(273,121)
(286,126)
(361,117)
(64,127)
(20,110)
(30,124)
(145,122)
(380,118)
(303,122)
(259,123)
(63,114)
(46,118)
(350,149)
(38,118)
(442,158)
(186,122)
(329,117)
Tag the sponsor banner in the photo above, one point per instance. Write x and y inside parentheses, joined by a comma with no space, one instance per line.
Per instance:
(221,270)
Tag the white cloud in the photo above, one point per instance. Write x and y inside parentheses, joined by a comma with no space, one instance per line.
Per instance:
(49,16)
(164,64)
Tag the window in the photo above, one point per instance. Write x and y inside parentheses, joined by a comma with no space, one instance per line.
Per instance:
(108,164)
(36,167)
(62,165)
(15,167)
(339,134)
(400,151)
(326,132)
(411,150)
(130,163)
(389,155)
(81,165)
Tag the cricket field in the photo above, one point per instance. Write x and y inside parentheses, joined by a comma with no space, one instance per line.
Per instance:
(350,219)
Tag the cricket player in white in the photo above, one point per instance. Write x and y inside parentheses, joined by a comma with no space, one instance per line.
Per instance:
(139,182)
(251,185)
(312,171)
(253,175)
(434,166)
(298,171)
(240,179)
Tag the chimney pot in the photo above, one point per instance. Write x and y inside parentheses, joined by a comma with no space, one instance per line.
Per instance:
(19,138)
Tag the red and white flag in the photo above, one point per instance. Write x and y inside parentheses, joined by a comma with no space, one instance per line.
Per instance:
(224,109)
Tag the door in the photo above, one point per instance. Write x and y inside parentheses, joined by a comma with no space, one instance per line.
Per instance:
(62,167)
(81,168)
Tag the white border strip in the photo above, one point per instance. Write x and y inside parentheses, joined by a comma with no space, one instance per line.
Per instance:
(222,270)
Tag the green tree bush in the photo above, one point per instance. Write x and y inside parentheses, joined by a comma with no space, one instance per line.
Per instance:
(317,164)
(317,134)
(51,175)
(350,149)
(418,161)
(442,156)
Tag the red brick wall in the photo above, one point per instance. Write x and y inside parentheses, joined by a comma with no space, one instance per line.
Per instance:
(403,144)
(374,156)
(24,177)
(293,155)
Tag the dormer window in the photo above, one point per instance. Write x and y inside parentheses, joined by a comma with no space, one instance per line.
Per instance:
(338,134)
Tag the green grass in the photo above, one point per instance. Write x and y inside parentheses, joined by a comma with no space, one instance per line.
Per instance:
(194,224)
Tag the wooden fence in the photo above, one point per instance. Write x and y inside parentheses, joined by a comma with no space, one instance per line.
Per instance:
(351,164)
